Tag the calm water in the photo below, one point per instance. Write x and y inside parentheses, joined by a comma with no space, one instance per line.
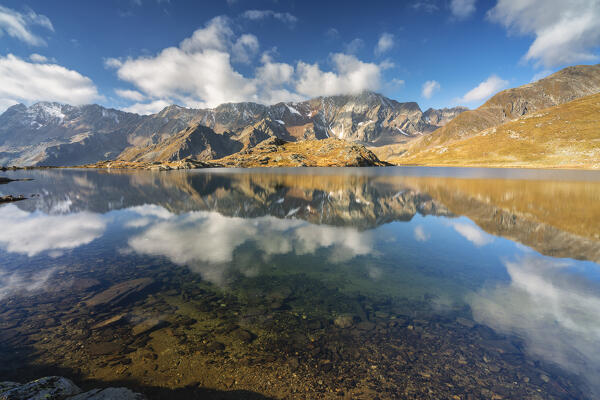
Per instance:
(311,283)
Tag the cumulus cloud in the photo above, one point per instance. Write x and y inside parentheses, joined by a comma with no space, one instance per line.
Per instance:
(19,25)
(257,15)
(130,94)
(20,231)
(354,46)
(351,75)
(462,9)
(565,31)
(147,108)
(245,48)
(553,308)
(472,234)
(27,82)
(484,90)
(199,73)
(38,58)
(384,44)
(429,88)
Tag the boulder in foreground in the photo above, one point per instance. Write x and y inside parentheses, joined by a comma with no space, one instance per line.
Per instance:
(59,388)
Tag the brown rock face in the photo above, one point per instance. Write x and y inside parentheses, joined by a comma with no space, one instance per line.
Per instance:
(277,152)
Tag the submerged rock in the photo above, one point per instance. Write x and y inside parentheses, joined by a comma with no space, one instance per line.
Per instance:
(343,321)
(4,386)
(9,198)
(59,388)
(48,388)
(148,326)
(117,293)
(109,394)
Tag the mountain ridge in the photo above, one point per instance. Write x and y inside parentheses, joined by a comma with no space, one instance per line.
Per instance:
(49,133)
(568,84)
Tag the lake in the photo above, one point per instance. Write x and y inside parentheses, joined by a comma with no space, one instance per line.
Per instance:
(438,283)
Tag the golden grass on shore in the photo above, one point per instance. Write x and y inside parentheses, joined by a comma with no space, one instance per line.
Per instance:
(564,136)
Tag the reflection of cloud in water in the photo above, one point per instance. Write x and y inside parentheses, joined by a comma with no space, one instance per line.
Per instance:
(12,283)
(34,232)
(555,312)
(472,234)
(206,241)
(420,234)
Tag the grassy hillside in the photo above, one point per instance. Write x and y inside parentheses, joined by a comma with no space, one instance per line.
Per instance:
(561,87)
(564,136)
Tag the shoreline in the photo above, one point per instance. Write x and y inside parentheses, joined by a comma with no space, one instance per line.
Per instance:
(209,164)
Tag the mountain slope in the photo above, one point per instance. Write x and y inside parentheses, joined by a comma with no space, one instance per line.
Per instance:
(567,135)
(57,134)
(196,142)
(565,85)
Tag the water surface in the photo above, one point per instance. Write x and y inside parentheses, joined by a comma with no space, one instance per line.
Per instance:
(305,283)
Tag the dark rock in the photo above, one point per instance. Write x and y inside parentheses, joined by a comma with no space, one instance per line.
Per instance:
(48,388)
(243,335)
(109,394)
(148,326)
(103,348)
(119,292)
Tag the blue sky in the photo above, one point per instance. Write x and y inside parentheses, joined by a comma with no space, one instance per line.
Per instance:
(141,55)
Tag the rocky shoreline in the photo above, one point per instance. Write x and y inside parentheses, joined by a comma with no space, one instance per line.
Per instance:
(60,388)
(10,198)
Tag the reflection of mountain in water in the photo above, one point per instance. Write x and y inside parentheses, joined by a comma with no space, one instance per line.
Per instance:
(555,218)
(558,219)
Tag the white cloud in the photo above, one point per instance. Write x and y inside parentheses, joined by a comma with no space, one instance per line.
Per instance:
(565,32)
(27,82)
(384,44)
(6,103)
(18,25)
(38,58)
(553,308)
(351,76)
(130,94)
(199,73)
(20,231)
(147,108)
(484,90)
(332,34)
(462,9)
(420,234)
(256,15)
(245,48)
(429,88)
(540,75)
(426,5)
(215,35)
(473,234)
(354,46)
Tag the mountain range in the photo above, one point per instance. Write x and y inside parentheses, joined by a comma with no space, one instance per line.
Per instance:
(58,134)
(535,124)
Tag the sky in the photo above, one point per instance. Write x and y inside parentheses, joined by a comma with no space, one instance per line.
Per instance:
(142,55)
